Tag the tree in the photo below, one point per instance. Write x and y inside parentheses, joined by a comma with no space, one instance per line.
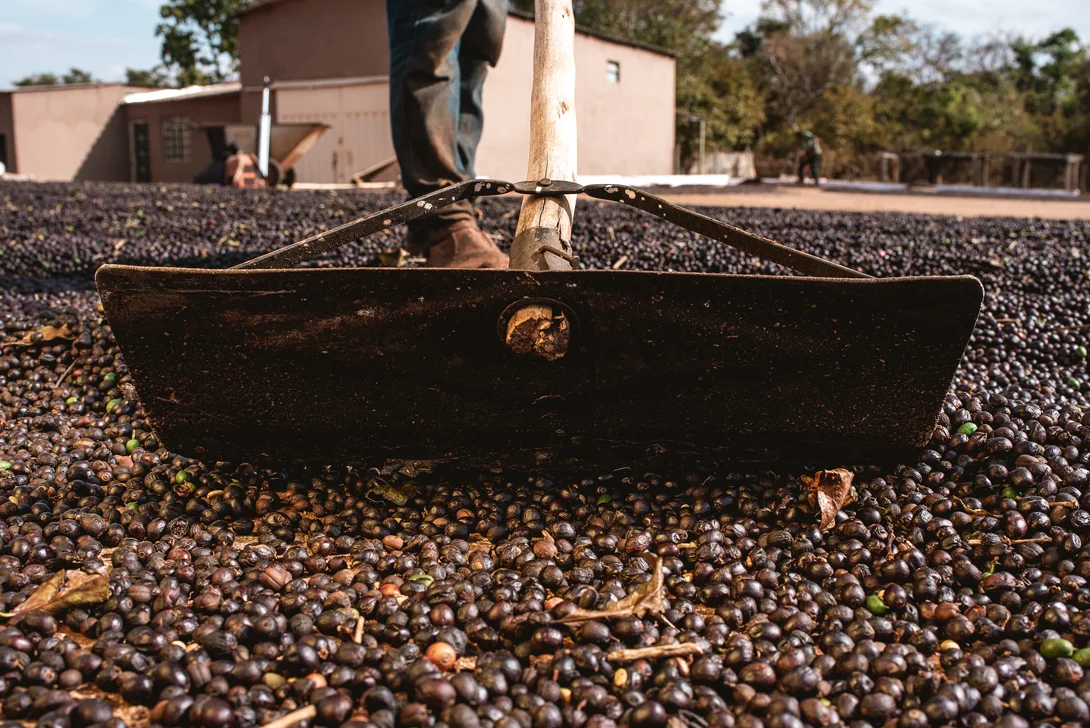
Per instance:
(804,49)
(200,39)
(888,42)
(819,17)
(150,78)
(1047,69)
(799,69)
(74,76)
(669,24)
(718,88)
(39,79)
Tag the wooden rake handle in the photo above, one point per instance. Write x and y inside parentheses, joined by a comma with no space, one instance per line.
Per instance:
(543,236)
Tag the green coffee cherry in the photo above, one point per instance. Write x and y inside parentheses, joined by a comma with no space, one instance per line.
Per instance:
(1057,647)
(876,606)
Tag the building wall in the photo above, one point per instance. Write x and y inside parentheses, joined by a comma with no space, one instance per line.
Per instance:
(624,128)
(221,109)
(360,135)
(7,128)
(295,40)
(70,133)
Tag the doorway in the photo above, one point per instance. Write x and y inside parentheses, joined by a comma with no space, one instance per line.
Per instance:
(139,154)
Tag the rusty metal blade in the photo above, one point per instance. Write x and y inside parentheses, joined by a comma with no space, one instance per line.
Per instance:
(344,365)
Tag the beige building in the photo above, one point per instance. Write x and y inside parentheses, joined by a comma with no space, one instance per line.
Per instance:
(328,61)
(64,132)
(164,130)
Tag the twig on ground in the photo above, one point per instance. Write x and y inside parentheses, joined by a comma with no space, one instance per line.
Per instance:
(1013,542)
(61,378)
(296,716)
(655,651)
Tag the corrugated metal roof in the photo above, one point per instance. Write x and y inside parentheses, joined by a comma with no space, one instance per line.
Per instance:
(177,94)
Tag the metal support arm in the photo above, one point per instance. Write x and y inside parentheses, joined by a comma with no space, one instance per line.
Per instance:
(767,250)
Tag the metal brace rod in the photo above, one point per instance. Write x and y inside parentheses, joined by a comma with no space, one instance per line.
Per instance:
(296,253)
(720,232)
(755,245)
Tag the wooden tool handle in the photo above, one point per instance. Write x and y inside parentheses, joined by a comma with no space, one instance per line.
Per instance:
(543,236)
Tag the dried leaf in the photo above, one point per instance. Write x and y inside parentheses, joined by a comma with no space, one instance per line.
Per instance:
(394,258)
(399,495)
(63,591)
(45,334)
(830,490)
(415,468)
(465,663)
(646,599)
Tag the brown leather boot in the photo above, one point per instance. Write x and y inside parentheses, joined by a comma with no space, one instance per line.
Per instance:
(465,246)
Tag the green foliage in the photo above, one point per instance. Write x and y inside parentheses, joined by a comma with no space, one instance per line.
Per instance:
(672,24)
(149,78)
(704,82)
(200,39)
(74,76)
(864,82)
(39,79)
(669,24)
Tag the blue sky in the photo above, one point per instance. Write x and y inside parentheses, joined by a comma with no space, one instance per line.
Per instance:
(105,36)
(1034,18)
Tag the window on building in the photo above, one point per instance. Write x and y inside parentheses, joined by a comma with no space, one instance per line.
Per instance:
(613,72)
(176,139)
(3,150)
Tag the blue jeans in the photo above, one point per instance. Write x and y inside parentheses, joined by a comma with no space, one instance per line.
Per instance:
(440,51)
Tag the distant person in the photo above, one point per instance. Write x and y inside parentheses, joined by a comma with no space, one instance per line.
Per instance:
(933,162)
(810,155)
(439,56)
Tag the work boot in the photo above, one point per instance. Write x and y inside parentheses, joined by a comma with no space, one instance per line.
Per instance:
(465,246)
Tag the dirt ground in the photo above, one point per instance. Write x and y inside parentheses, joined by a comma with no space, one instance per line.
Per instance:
(809,198)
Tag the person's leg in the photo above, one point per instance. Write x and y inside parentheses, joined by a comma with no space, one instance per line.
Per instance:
(425,98)
(815,168)
(802,170)
(480,48)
